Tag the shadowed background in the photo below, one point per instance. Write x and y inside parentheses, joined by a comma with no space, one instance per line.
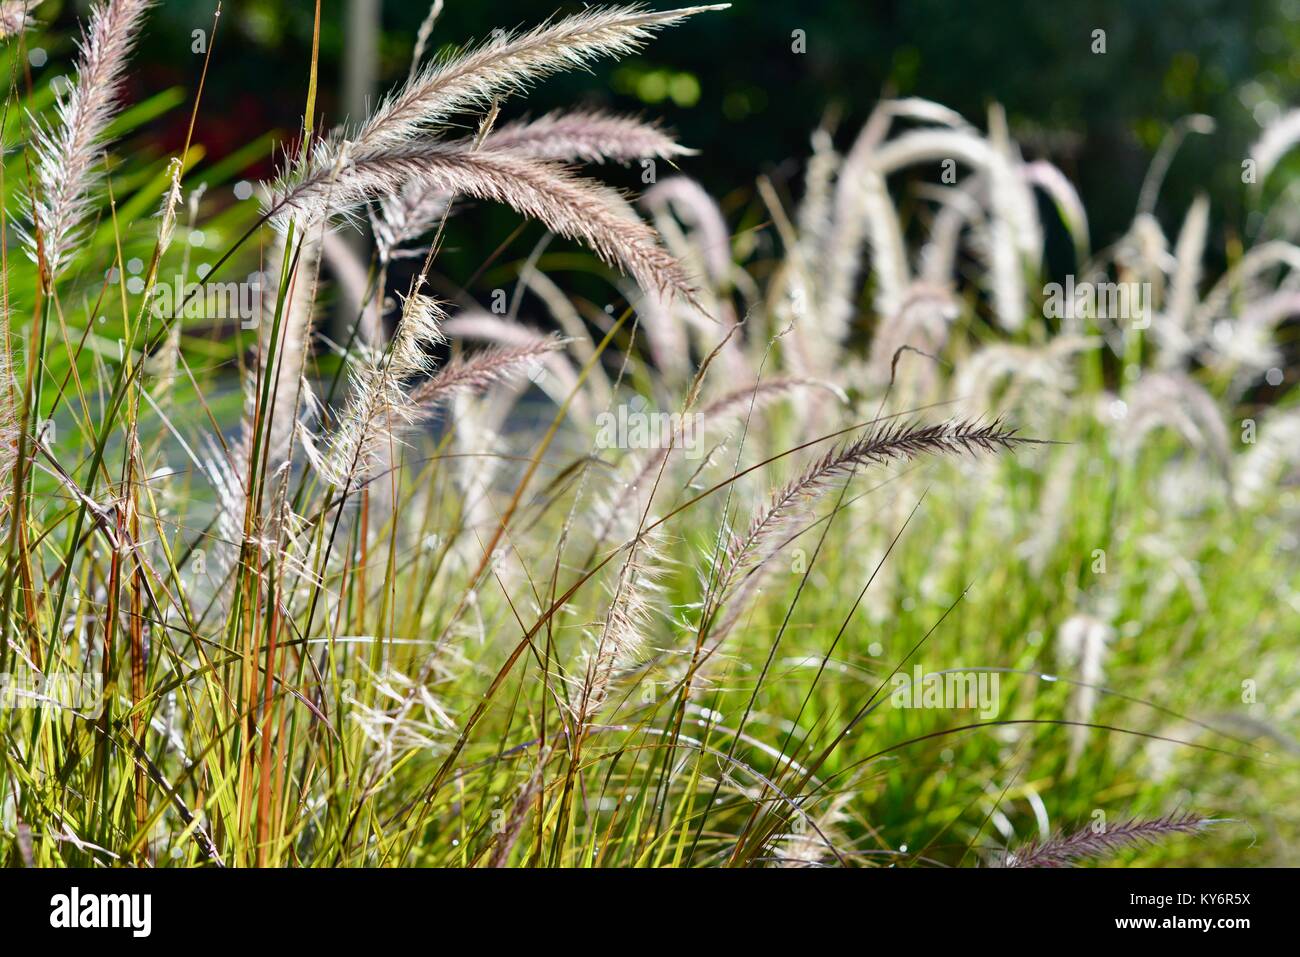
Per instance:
(731,86)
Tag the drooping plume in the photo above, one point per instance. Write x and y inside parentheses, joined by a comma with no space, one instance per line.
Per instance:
(510,64)
(1089,843)
(569,205)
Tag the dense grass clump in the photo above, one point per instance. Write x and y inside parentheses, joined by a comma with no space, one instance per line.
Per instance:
(836,537)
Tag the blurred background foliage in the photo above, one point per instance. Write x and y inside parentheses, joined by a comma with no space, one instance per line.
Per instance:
(731,86)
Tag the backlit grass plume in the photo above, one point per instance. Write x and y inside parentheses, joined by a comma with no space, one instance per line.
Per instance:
(391,152)
(508,64)
(381,405)
(586,137)
(1089,843)
(573,206)
(68,149)
(15,17)
(885,443)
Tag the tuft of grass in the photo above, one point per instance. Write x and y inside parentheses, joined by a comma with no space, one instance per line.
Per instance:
(278,592)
